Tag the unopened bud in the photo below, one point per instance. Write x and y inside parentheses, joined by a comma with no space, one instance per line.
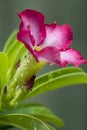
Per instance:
(29,83)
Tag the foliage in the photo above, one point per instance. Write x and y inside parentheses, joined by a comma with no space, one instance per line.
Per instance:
(29,116)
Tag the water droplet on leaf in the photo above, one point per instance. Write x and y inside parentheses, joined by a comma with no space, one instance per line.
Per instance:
(21,75)
(15,79)
(18,87)
(35,128)
(50,76)
(28,61)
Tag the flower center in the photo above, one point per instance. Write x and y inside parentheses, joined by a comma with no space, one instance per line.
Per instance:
(37,48)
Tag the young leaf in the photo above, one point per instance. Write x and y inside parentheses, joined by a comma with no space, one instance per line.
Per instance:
(23,121)
(14,50)
(58,79)
(3,68)
(39,111)
(10,41)
(0,82)
(15,54)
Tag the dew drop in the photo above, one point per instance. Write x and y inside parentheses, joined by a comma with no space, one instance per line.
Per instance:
(35,128)
(18,87)
(15,79)
(50,76)
(21,75)
(28,61)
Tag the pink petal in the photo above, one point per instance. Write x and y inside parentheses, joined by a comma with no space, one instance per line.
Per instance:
(26,39)
(58,36)
(49,55)
(34,21)
(71,56)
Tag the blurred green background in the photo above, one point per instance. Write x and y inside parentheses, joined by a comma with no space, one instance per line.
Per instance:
(69,103)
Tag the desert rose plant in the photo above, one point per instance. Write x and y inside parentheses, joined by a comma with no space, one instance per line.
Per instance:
(25,53)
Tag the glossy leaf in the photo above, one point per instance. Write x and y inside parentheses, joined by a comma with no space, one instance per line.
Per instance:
(15,51)
(3,68)
(51,128)
(15,54)
(58,79)
(39,111)
(9,43)
(4,126)
(56,73)
(0,83)
(23,121)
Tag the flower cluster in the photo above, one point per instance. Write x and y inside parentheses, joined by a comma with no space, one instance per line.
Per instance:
(48,42)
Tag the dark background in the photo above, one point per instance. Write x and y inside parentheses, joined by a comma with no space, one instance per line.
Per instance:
(70,103)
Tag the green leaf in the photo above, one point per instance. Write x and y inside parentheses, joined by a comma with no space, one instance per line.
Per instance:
(10,41)
(4,127)
(51,128)
(23,121)
(3,68)
(56,73)
(39,111)
(0,83)
(58,79)
(15,53)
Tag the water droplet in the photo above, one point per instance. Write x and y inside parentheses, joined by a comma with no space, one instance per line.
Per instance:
(24,64)
(18,87)
(35,128)
(50,76)
(21,75)
(15,79)
(27,61)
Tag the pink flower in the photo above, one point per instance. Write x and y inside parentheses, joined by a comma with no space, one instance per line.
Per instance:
(48,42)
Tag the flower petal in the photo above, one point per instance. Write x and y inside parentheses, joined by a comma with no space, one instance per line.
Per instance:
(34,21)
(49,55)
(26,39)
(71,56)
(58,36)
